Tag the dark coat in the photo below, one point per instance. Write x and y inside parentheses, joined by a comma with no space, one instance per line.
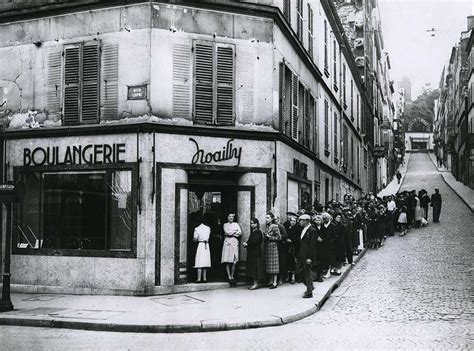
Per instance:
(328,235)
(339,242)
(307,248)
(294,234)
(254,243)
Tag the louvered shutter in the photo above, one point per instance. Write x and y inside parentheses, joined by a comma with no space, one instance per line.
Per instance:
(71,85)
(310,30)
(182,80)
(287,10)
(90,83)
(203,92)
(308,121)
(225,85)
(294,107)
(109,90)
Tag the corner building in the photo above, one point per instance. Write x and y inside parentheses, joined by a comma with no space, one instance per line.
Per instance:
(122,121)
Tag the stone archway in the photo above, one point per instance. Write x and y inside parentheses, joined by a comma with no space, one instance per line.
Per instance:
(419,125)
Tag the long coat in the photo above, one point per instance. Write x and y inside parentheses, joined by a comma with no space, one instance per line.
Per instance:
(307,249)
(339,242)
(272,235)
(328,257)
(254,254)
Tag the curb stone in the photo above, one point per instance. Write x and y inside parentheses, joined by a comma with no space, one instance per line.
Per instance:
(202,326)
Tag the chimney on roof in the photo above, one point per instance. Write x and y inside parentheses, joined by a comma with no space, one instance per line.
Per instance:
(470,22)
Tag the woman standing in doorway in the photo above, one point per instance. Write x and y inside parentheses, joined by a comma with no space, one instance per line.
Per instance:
(230,248)
(272,236)
(203,254)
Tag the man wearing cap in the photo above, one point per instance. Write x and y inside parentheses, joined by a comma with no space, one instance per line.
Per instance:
(307,253)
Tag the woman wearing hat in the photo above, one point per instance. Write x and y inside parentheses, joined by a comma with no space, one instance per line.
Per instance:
(293,230)
(272,235)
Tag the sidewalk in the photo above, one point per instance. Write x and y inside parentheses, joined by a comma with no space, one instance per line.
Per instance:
(226,309)
(464,192)
(393,187)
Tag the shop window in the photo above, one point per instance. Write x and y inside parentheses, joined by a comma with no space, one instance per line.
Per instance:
(81,83)
(86,210)
(299,196)
(213,83)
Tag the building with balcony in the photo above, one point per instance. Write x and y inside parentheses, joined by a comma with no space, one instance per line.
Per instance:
(124,119)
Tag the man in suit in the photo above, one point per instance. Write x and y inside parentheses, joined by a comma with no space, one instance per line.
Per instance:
(436,203)
(307,253)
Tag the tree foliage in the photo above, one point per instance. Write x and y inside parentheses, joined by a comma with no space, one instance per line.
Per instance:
(422,107)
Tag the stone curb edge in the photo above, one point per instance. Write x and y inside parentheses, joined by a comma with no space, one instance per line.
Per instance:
(272,321)
(451,187)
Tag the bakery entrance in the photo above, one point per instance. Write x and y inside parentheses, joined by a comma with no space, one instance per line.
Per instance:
(212,196)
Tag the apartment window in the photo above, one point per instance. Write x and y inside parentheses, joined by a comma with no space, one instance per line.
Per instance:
(326,127)
(358,163)
(358,111)
(326,58)
(81,83)
(335,63)
(335,125)
(345,141)
(314,117)
(351,160)
(299,18)
(289,107)
(81,211)
(310,31)
(287,10)
(344,84)
(308,120)
(352,100)
(214,83)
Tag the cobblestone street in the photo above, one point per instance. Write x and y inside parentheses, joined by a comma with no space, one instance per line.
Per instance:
(414,292)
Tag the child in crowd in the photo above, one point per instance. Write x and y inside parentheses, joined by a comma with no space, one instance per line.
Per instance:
(402,220)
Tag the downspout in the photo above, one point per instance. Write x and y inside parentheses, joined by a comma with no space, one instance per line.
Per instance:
(275,192)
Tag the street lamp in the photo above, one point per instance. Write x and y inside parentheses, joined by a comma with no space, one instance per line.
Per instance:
(7,198)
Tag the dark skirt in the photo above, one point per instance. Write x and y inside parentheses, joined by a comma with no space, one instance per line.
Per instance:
(254,267)
(272,265)
(340,248)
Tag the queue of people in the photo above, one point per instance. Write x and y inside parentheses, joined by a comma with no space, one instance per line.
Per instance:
(314,245)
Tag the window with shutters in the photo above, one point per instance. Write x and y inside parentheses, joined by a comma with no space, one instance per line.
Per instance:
(344,85)
(302,113)
(286,80)
(314,117)
(352,100)
(81,83)
(358,112)
(336,142)
(287,10)
(351,160)
(335,64)
(294,106)
(214,83)
(326,127)
(326,57)
(299,18)
(308,127)
(345,141)
(310,31)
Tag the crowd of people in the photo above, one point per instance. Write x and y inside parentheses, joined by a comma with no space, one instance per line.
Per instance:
(312,245)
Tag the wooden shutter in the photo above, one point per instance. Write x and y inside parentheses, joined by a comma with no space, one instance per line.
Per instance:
(294,107)
(203,93)
(225,85)
(90,83)
(326,125)
(53,95)
(287,10)
(71,85)
(109,91)
(310,30)
(299,12)
(308,120)
(182,80)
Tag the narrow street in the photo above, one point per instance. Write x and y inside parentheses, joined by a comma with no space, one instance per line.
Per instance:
(414,292)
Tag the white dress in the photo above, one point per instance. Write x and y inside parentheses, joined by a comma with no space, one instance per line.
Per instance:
(203,254)
(230,248)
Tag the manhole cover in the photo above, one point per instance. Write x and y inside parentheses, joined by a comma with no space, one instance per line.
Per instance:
(176,300)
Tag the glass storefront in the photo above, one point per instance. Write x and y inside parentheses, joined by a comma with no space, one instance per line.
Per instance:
(75,210)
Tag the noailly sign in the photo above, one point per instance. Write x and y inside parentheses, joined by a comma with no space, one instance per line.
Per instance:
(227,152)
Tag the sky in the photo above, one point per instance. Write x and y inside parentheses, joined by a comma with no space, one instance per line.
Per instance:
(413,52)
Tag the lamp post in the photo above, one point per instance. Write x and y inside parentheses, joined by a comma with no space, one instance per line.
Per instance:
(7,198)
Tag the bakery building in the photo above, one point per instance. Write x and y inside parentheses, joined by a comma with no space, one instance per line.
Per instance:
(116,134)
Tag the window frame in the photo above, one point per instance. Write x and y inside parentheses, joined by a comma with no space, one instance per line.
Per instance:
(215,84)
(81,83)
(128,166)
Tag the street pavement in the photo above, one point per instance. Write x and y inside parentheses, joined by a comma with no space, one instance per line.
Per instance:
(413,293)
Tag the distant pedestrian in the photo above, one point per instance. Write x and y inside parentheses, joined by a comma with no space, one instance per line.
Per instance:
(436,202)
(399,176)
(254,253)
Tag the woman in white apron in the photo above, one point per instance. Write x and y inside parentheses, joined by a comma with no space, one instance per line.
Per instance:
(202,260)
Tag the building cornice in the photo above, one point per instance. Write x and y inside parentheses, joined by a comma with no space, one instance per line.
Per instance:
(149,127)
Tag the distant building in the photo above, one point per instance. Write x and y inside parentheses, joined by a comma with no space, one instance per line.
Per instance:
(453,127)
(405,84)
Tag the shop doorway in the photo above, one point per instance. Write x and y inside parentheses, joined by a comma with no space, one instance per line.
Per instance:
(214,202)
